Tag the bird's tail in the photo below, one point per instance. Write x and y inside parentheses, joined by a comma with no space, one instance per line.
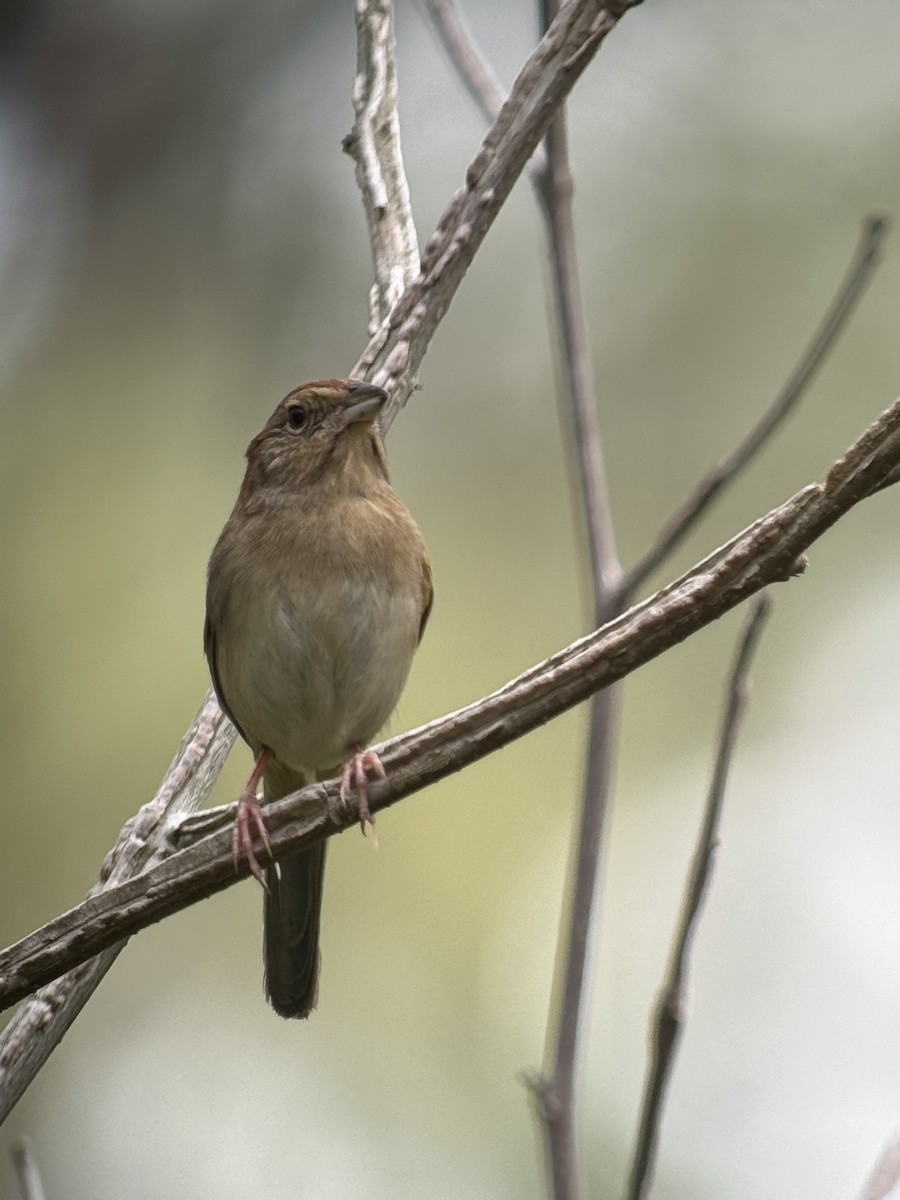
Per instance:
(291,913)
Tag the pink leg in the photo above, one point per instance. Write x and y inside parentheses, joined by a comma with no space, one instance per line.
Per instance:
(249,821)
(354,777)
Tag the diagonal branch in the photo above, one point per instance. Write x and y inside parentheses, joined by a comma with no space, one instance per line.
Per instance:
(884,1176)
(38,1027)
(667,1026)
(767,551)
(678,526)
(396,350)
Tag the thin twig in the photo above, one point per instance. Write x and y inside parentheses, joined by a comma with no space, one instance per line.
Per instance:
(557,1092)
(885,1174)
(40,1024)
(865,259)
(556,191)
(27,1172)
(669,1014)
(769,550)
(374,144)
(449,24)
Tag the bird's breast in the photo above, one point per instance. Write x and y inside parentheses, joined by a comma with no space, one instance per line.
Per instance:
(315,640)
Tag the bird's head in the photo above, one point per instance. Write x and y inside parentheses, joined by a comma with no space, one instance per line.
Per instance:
(321,433)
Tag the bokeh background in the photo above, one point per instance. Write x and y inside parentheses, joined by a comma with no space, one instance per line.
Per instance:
(181,242)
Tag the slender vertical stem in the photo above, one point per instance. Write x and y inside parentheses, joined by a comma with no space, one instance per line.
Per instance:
(558,1089)
(31,1186)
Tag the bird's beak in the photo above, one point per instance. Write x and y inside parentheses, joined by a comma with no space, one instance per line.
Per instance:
(368,401)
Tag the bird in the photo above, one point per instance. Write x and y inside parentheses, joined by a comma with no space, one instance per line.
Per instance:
(318,592)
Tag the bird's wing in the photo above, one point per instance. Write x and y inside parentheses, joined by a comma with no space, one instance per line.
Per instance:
(209,649)
(427,594)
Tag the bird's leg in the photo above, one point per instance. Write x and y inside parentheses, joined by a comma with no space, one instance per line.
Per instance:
(249,821)
(355,777)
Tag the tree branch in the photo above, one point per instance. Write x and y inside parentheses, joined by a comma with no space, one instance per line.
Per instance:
(556,1092)
(885,1174)
(40,1024)
(374,144)
(669,1015)
(30,1185)
(448,23)
(396,350)
(866,258)
(551,176)
(767,551)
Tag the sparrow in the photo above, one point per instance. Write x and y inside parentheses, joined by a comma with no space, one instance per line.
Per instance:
(318,592)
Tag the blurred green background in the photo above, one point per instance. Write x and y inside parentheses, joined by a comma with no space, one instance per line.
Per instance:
(181,241)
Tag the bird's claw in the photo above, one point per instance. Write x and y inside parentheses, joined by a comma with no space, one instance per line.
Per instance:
(354,777)
(249,823)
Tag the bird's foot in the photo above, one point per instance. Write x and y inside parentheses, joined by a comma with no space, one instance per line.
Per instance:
(355,778)
(250,823)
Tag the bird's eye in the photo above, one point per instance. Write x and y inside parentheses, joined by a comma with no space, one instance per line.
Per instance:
(297,416)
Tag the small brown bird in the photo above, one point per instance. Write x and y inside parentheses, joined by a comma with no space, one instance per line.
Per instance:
(318,591)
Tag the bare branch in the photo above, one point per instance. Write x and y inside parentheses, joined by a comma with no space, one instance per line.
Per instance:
(27,1172)
(374,144)
(668,1018)
(767,551)
(865,260)
(556,189)
(38,1027)
(556,1092)
(885,1175)
(476,73)
(395,352)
